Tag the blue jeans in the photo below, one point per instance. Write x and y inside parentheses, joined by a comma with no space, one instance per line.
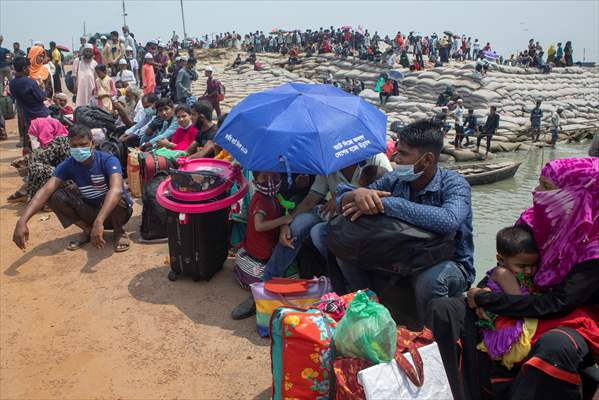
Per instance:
(282,256)
(318,234)
(445,279)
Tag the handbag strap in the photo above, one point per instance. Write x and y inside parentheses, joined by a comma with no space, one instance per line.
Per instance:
(415,375)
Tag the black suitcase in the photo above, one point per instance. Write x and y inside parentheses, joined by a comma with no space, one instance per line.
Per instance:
(197,248)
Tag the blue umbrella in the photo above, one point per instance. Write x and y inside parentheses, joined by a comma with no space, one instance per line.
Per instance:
(303,128)
(394,74)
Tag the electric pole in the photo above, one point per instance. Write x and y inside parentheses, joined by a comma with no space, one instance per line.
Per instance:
(84,33)
(183,18)
(124,14)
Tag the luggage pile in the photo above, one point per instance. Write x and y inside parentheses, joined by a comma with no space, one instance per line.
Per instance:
(343,347)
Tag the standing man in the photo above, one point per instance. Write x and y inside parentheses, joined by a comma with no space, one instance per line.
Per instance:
(82,42)
(129,41)
(214,90)
(56,58)
(17,51)
(101,201)
(113,52)
(458,114)
(536,115)
(185,76)
(29,96)
(555,126)
(84,76)
(491,126)
(4,65)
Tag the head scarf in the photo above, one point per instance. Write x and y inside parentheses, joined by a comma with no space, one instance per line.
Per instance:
(37,70)
(565,221)
(46,129)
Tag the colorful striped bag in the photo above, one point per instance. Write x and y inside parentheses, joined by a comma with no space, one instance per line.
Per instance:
(301,353)
(281,292)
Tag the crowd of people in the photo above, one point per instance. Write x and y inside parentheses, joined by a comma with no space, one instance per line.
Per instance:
(536,308)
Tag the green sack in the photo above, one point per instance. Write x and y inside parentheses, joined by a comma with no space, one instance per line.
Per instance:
(366,331)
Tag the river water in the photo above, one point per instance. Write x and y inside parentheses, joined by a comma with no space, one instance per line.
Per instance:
(500,204)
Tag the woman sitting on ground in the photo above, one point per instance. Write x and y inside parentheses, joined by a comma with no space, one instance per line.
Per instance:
(565,221)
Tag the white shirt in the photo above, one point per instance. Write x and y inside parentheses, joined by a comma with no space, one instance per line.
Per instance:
(458,113)
(555,119)
(125,76)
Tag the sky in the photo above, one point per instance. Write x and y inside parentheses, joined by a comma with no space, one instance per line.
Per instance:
(507,25)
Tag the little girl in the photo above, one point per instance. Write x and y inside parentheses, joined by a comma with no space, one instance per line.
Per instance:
(105,89)
(504,338)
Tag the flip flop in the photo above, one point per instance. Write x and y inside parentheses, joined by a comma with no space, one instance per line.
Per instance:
(121,243)
(78,243)
(17,197)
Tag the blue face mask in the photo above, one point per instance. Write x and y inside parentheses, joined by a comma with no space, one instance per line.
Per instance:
(150,111)
(405,172)
(81,154)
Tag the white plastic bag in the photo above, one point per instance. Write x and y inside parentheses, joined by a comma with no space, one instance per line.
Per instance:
(386,381)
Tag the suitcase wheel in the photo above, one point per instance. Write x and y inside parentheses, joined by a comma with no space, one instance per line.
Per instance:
(172,276)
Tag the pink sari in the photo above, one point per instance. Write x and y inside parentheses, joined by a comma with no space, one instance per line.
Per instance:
(565,221)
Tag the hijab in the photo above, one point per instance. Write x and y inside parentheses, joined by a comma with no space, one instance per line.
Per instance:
(565,221)
(46,129)
(37,70)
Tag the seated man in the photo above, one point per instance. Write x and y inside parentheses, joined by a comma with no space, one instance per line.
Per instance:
(308,216)
(100,200)
(132,135)
(419,193)
(165,109)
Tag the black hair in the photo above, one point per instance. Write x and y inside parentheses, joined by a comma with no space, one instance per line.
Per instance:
(52,44)
(101,67)
(114,33)
(515,240)
(183,107)
(163,102)
(151,97)
(371,173)
(204,108)
(80,131)
(221,119)
(20,63)
(425,135)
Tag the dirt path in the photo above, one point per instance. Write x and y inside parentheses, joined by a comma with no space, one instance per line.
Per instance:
(96,324)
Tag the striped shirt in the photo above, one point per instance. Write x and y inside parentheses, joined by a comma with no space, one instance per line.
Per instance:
(93,181)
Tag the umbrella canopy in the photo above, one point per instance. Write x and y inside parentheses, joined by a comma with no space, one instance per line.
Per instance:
(62,47)
(448,33)
(395,74)
(303,128)
(345,27)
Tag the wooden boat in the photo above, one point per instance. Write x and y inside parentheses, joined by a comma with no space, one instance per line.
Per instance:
(483,173)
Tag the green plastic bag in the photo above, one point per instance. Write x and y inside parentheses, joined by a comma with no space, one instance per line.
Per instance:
(366,331)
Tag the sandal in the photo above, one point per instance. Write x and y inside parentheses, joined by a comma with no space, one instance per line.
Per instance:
(17,197)
(79,243)
(121,243)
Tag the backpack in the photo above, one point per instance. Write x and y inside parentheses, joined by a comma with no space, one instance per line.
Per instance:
(150,164)
(95,117)
(116,148)
(221,91)
(69,81)
(153,215)
(385,244)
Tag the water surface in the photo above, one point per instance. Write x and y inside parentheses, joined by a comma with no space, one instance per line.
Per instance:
(500,204)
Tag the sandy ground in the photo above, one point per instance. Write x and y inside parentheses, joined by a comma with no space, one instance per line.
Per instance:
(96,324)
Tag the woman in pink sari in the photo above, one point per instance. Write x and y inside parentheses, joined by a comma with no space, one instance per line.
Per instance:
(565,221)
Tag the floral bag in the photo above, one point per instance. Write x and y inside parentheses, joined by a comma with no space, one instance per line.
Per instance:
(301,353)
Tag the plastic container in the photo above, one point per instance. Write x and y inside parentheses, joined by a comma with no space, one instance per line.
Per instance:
(197,199)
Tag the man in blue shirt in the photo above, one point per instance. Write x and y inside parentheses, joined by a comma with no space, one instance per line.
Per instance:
(99,201)
(536,115)
(29,96)
(419,193)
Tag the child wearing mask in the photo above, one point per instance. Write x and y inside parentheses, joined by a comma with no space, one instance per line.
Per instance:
(264,217)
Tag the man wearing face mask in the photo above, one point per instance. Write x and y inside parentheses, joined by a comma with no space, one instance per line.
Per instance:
(132,136)
(99,201)
(420,193)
